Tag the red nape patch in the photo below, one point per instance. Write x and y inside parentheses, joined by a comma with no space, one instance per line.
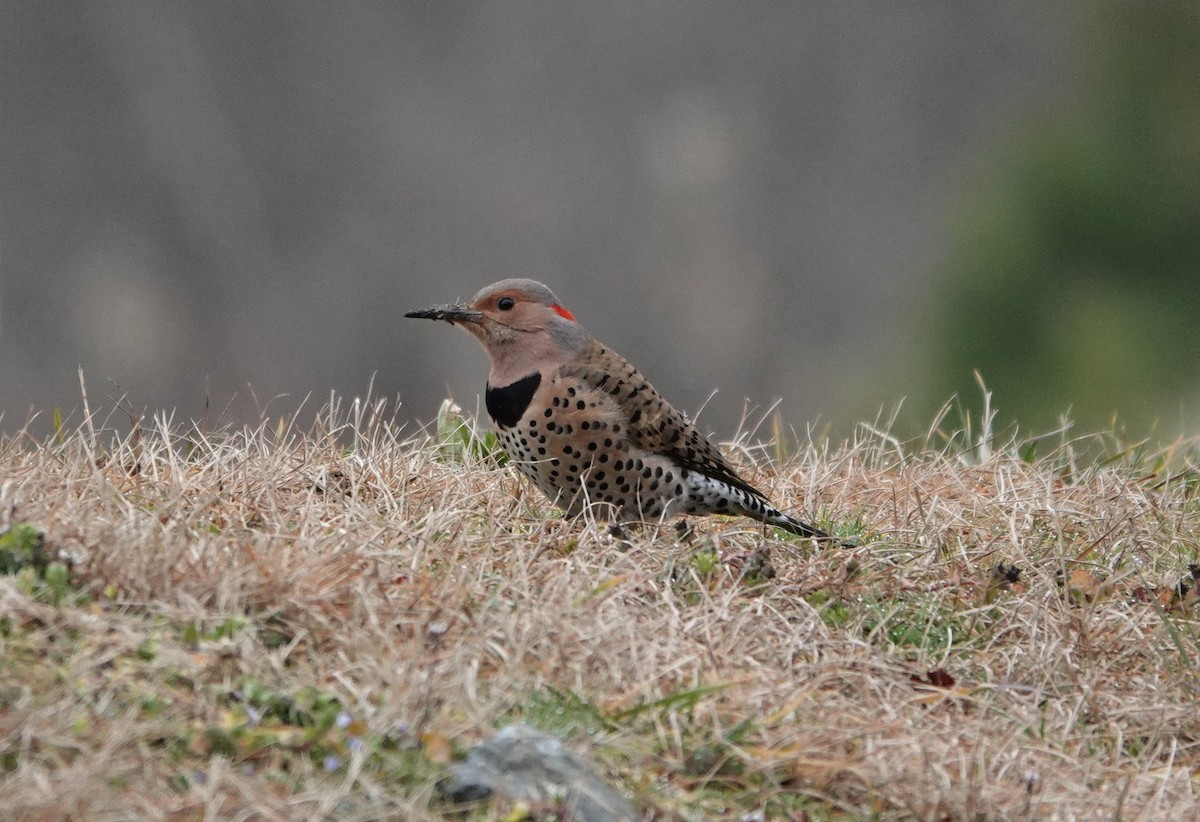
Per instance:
(562,312)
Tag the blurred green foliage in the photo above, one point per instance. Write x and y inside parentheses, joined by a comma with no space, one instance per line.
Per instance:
(1073,285)
(23,546)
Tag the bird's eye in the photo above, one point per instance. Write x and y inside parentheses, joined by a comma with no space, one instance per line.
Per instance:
(505,304)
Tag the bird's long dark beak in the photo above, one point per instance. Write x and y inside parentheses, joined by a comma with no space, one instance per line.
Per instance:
(449,313)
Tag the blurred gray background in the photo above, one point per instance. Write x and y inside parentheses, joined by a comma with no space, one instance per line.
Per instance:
(238,201)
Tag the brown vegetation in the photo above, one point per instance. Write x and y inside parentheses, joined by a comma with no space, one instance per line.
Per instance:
(279,623)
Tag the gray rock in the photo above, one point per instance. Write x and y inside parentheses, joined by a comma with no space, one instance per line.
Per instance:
(525,765)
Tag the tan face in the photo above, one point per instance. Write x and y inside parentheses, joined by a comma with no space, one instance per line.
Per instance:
(513,310)
(520,325)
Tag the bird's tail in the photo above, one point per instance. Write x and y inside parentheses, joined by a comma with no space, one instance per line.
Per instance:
(772,516)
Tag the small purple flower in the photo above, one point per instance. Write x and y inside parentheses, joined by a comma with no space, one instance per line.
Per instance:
(332,763)
(355,744)
(344,719)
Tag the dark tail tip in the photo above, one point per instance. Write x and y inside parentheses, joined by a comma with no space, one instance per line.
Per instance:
(803,529)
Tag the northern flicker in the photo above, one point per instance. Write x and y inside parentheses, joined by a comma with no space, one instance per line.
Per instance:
(585,426)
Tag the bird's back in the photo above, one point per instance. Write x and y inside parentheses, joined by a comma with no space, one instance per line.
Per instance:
(596,431)
(650,422)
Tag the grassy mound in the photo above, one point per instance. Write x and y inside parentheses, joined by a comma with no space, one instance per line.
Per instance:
(300,622)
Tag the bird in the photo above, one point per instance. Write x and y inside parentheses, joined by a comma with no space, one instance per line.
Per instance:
(586,427)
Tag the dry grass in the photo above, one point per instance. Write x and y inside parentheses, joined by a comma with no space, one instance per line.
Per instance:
(292,624)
